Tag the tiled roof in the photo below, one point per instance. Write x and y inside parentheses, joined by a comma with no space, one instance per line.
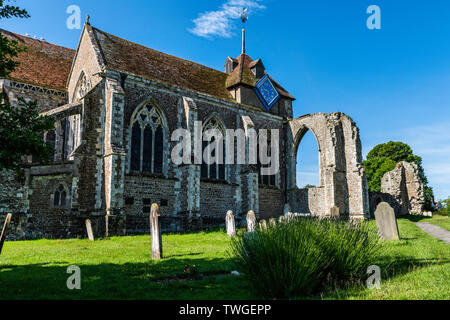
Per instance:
(123,55)
(44,64)
(243,75)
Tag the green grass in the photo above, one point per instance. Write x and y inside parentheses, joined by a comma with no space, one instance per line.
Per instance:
(438,220)
(441,221)
(417,267)
(119,268)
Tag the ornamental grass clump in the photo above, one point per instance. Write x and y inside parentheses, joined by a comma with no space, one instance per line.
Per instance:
(300,257)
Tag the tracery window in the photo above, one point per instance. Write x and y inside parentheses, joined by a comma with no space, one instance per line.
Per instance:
(266,180)
(60,197)
(147,141)
(216,171)
(83,87)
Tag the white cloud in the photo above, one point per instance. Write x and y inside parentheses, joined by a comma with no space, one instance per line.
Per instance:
(219,23)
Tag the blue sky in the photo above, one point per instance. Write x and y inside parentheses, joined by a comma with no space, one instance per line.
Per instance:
(394,82)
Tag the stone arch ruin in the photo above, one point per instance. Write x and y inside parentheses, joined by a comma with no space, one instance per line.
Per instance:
(343,183)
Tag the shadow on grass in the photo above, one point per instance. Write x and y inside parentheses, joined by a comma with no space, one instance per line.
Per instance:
(392,268)
(416,218)
(124,281)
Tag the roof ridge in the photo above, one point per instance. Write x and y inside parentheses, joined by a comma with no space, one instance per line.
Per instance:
(163,53)
(7,32)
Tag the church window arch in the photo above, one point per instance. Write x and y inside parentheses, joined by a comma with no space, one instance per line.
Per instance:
(83,86)
(266,180)
(216,170)
(60,197)
(147,140)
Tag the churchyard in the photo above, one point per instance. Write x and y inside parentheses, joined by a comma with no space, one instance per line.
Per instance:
(201,266)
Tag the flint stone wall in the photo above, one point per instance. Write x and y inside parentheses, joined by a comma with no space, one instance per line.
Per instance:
(403,189)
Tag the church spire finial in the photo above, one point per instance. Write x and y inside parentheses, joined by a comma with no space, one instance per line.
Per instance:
(244,18)
(87,19)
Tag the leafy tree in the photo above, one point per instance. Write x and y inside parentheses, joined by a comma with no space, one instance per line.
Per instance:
(383,159)
(9,11)
(22,128)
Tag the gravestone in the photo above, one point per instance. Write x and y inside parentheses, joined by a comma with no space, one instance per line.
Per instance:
(287,209)
(272,222)
(251,221)
(230,223)
(263,224)
(289,217)
(4,230)
(334,212)
(155,233)
(386,222)
(89,230)
(282,219)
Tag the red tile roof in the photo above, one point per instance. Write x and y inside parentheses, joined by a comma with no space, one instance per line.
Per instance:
(48,65)
(123,55)
(44,64)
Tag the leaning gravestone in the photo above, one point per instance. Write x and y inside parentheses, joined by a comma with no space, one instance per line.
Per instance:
(251,221)
(89,230)
(5,228)
(155,233)
(386,222)
(231,226)
(334,212)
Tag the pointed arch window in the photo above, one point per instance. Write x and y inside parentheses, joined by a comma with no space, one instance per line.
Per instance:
(147,141)
(266,180)
(83,86)
(215,171)
(60,197)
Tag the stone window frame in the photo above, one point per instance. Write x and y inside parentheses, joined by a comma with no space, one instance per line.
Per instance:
(220,126)
(166,144)
(61,187)
(278,174)
(298,138)
(83,86)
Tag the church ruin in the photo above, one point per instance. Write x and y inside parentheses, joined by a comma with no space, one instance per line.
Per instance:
(115,104)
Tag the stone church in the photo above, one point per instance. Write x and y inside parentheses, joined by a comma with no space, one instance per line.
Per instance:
(115,104)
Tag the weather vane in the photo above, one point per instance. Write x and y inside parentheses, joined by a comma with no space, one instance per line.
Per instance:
(244,15)
(244,18)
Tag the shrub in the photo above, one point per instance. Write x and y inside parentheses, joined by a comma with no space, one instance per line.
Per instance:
(445,209)
(299,257)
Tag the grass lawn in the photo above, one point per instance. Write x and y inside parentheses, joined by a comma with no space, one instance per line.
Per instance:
(417,267)
(441,221)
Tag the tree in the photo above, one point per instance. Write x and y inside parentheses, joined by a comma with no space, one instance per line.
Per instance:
(22,128)
(384,157)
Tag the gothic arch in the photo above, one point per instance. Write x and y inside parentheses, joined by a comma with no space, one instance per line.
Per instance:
(60,197)
(83,86)
(342,178)
(273,180)
(302,131)
(148,145)
(214,171)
